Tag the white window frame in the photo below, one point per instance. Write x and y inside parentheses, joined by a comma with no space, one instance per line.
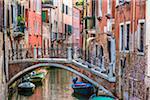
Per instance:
(139,22)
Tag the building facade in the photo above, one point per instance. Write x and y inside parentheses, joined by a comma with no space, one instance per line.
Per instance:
(76,28)
(47,25)
(118,41)
(131,48)
(35,24)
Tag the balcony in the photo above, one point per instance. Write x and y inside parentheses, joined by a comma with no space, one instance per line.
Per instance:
(19,32)
(20,29)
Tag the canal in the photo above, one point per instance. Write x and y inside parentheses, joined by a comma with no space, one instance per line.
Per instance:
(55,86)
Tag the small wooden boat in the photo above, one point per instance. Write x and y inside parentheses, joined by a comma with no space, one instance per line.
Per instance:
(26,87)
(82,88)
(37,77)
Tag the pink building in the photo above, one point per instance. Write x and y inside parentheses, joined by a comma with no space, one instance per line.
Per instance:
(34,24)
(76,27)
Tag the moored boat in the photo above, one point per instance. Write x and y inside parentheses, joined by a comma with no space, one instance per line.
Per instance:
(82,88)
(37,77)
(26,87)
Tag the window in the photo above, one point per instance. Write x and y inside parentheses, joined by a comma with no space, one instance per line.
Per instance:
(125,36)
(19,9)
(93,7)
(63,8)
(109,49)
(12,12)
(69,29)
(29,5)
(66,9)
(66,28)
(127,40)
(141,36)
(44,15)
(121,37)
(8,17)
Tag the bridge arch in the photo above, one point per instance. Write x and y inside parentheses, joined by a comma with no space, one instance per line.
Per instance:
(29,69)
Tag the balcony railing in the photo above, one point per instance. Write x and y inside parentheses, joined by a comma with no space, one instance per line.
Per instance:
(19,32)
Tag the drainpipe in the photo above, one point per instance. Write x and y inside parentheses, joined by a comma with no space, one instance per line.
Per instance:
(57,29)
(5,58)
(4,40)
(86,33)
(50,29)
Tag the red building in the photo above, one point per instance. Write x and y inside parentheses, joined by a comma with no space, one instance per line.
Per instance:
(34,24)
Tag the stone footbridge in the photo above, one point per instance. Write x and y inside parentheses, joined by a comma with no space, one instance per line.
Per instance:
(26,60)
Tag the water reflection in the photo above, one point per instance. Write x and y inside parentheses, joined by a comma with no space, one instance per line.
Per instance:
(56,86)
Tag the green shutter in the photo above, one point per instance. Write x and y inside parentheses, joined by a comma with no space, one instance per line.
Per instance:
(69,28)
(44,16)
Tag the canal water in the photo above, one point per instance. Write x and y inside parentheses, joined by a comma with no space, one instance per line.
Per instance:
(56,86)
